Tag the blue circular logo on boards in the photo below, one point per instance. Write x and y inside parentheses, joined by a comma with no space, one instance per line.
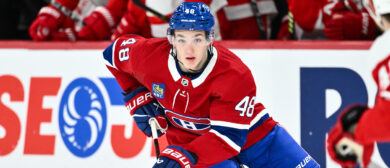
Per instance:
(82,117)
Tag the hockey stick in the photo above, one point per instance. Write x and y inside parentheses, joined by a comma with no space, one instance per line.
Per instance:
(153,123)
(155,13)
(257,16)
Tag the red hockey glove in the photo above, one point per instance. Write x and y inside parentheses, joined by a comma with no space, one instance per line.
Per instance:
(350,26)
(124,27)
(98,25)
(67,32)
(48,21)
(175,157)
(342,146)
(143,106)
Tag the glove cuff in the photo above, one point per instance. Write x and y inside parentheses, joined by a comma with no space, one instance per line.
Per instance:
(106,15)
(180,155)
(51,11)
(137,98)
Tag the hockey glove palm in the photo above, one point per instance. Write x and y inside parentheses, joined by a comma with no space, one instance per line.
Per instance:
(175,157)
(143,106)
(342,146)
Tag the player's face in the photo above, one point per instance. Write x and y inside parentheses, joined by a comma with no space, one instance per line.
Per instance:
(191,48)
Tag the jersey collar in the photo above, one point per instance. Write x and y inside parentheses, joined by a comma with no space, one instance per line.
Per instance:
(174,69)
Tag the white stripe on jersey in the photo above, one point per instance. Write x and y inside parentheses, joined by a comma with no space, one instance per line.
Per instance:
(227,140)
(258,117)
(238,126)
(229,124)
(385,94)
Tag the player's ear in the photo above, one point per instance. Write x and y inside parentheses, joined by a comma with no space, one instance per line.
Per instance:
(172,41)
(210,36)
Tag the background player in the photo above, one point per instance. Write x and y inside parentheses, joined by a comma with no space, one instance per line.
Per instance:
(359,125)
(207,95)
(328,19)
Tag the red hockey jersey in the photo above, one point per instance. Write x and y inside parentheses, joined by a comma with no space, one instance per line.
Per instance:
(374,124)
(213,114)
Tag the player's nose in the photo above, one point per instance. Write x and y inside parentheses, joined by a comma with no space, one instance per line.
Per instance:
(189,49)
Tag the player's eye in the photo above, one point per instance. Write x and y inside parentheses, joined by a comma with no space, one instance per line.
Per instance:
(197,40)
(181,41)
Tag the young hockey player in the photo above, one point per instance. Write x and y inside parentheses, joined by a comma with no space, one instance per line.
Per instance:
(203,97)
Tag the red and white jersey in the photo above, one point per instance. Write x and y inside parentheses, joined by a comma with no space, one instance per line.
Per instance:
(213,114)
(310,17)
(374,124)
(237,21)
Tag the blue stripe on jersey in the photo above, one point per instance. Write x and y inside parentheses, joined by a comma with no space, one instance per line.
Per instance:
(107,54)
(238,136)
(262,119)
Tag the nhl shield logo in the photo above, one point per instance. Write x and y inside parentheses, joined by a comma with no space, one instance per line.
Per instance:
(184,82)
(158,90)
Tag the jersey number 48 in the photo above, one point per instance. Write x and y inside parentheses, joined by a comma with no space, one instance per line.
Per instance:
(246,106)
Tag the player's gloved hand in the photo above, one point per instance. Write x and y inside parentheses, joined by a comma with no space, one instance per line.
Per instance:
(345,16)
(98,25)
(48,21)
(350,26)
(67,32)
(175,157)
(123,28)
(143,106)
(341,144)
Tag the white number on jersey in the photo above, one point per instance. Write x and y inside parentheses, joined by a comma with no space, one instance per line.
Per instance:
(246,106)
(128,41)
(384,80)
(124,53)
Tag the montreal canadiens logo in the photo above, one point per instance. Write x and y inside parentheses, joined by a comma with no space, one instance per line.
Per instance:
(194,125)
(82,117)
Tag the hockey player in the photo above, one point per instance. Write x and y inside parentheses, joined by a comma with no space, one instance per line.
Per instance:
(203,97)
(351,139)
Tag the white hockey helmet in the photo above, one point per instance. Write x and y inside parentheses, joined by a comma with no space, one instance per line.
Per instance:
(376,8)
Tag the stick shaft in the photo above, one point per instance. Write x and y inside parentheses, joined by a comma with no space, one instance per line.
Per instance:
(154,12)
(152,123)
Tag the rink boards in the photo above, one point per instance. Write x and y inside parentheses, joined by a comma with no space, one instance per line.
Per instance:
(60,106)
